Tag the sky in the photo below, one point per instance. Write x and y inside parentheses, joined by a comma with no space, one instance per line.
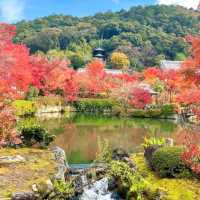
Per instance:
(15,10)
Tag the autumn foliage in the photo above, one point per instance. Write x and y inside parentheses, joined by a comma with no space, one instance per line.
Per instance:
(8,132)
(139,98)
(19,71)
(191,157)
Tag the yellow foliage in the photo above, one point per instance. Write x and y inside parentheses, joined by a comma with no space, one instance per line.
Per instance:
(119,60)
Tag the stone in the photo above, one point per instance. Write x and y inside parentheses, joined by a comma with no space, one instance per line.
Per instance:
(89,195)
(169,142)
(119,154)
(62,165)
(101,186)
(24,196)
(112,184)
(11,159)
(148,154)
(34,188)
(97,191)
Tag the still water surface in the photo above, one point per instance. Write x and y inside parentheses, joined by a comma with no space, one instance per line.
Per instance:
(79,135)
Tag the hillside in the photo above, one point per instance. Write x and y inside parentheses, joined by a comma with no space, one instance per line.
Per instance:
(145,34)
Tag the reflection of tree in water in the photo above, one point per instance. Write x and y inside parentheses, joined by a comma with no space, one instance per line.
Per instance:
(78,136)
(189,133)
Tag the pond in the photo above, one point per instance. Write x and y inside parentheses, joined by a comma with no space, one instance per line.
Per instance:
(79,135)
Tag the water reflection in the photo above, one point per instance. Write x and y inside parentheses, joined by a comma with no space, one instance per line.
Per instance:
(78,135)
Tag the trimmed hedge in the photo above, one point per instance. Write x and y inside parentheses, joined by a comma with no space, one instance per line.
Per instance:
(96,106)
(167,162)
(167,110)
(24,108)
(153,111)
(146,113)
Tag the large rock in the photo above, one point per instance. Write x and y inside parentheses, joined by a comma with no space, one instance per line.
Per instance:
(97,191)
(62,165)
(24,196)
(11,159)
(148,154)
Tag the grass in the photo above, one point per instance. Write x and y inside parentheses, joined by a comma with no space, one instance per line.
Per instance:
(38,168)
(174,189)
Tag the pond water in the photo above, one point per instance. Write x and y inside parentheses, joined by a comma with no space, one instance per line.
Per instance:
(79,135)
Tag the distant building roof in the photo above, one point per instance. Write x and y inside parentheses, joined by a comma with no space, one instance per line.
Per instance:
(169,64)
(148,88)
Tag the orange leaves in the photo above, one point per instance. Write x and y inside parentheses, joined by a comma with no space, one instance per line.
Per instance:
(189,97)
(139,98)
(14,64)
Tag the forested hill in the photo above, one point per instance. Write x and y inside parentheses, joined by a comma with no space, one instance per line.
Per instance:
(145,34)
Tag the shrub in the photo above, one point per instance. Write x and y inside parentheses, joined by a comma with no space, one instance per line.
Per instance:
(24,108)
(95,105)
(131,182)
(191,157)
(153,141)
(26,122)
(153,113)
(36,135)
(167,162)
(8,132)
(167,110)
(146,113)
(63,190)
(137,113)
(105,154)
(150,146)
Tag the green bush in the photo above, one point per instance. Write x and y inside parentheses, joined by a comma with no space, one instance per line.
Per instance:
(153,113)
(105,153)
(167,110)
(95,105)
(130,182)
(35,134)
(63,190)
(24,108)
(26,122)
(146,113)
(167,162)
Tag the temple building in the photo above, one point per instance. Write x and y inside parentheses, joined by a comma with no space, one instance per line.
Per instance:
(99,53)
(169,64)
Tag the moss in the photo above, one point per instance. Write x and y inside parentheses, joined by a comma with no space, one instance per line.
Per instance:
(24,108)
(174,189)
(39,167)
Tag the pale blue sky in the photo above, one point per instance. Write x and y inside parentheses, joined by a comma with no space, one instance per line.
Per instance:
(15,10)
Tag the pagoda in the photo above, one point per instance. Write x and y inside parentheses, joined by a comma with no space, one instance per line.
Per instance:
(99,53)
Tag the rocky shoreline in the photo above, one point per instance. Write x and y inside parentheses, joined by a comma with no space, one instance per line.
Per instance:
(91,183)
